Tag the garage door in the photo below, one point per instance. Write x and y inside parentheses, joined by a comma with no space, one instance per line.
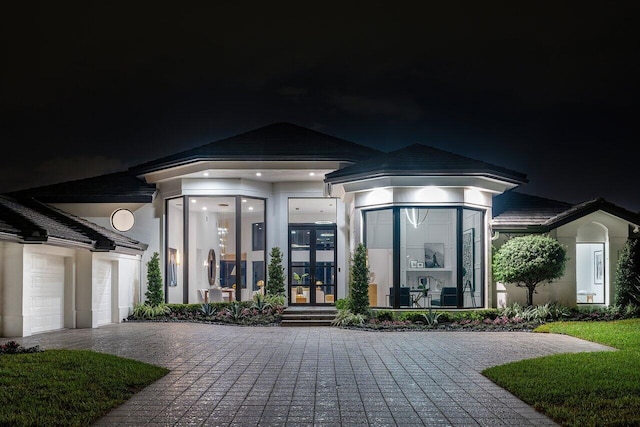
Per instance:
(47,293)
(102,293)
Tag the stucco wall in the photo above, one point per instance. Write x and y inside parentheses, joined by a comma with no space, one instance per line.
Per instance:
(563,290)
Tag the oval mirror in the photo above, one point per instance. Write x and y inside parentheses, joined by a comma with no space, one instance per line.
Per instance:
(211,267)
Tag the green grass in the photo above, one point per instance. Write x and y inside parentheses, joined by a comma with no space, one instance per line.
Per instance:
(67,387)
(582,389)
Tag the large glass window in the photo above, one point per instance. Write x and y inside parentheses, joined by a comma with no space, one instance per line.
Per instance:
(253,246)
(212,226)
(421,257)
(174,282)
(379,242)
(428,254)
(224,248)
(472,259)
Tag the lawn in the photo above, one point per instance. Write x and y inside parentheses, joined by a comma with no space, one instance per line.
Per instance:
(582,389)
(67,387)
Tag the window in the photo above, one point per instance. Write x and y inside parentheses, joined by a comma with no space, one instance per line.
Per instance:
(257,236)
(422,256)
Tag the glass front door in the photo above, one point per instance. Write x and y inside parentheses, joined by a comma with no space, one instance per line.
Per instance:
(312,263)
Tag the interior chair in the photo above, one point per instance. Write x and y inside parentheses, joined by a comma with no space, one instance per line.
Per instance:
(448,296)
(215,295)
(405,297)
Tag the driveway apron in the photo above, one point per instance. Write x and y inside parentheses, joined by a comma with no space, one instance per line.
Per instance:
(316,376)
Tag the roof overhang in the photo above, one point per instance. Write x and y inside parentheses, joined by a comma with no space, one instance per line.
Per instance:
(271,171)
(544,227)
(483,182)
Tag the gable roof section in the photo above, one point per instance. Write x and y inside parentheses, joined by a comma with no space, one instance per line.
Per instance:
(119,187)
(514,211)
(275,142)
(422,160)
(31,221)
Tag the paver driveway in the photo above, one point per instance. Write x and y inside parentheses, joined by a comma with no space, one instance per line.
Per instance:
(322,376)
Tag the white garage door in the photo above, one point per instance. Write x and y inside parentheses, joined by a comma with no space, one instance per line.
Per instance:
(47,293)
(102,292)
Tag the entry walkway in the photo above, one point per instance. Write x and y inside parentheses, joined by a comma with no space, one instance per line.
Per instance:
(272,376)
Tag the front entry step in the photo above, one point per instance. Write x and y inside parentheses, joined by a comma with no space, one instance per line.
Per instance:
(308,316)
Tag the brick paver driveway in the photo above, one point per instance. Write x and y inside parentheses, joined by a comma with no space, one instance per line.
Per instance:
(323,376)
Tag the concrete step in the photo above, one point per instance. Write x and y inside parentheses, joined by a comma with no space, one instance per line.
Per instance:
(312,316)
(305,322)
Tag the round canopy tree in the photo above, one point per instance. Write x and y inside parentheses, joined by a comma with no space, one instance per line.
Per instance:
(527,261)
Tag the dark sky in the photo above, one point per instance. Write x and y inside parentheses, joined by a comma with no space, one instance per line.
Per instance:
(549,89)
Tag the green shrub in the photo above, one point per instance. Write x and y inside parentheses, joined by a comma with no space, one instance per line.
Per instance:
(410,316)
(275,300)
(348,318)
(148,311)
(260,302)
(13,347)
(342,303)
(627,281)
(359,286)
(154,293)
(631,310)
(275,273)
(383,315)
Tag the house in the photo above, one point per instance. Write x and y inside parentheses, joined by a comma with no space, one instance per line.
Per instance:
(429,219)
(62,271)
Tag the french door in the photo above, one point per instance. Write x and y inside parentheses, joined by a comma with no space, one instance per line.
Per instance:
(312,264)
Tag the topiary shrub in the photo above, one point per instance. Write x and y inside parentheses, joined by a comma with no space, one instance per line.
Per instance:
(154,293)
(527,261)
(275,274)
(359,286)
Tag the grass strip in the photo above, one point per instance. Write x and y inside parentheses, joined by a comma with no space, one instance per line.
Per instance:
(67,387)
(582,389)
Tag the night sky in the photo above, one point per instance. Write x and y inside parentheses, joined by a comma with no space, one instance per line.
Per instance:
(549,89)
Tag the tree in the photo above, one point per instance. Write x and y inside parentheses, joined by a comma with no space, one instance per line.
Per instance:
(275,275)
(628,274)
(359,286)
(527,261)
(154,293)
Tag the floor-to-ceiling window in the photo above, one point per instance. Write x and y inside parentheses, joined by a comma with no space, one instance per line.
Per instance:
(174,277)
(253,232)
(472,258)
(379,242)
(224,248)
(421,257)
